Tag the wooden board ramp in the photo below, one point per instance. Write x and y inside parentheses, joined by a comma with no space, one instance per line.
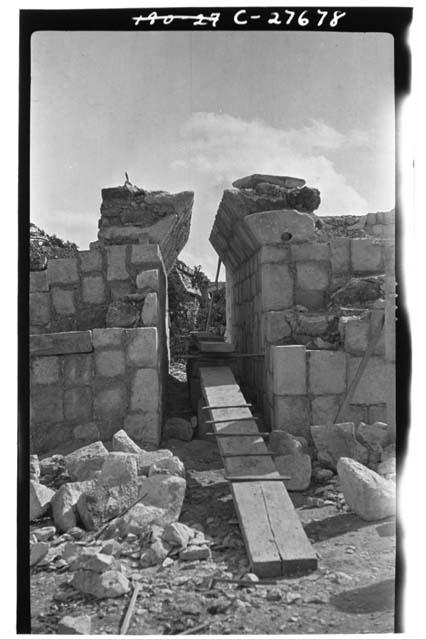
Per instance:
(275,540)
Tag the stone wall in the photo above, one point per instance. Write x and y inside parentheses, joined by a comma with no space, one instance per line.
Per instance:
(86,385)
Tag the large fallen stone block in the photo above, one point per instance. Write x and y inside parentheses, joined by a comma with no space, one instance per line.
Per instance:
(75,625)
(170,466)
(298,466)
(118,468)
(165,492)
(91,559)
(146,459)
(155,554)
(84,463)
(372,434)
(110,584)
(122,442)
(178,534)
(38,551)
(64,504)
(139,520)
(101,503)
(369,495)
(334,441)
(40,499)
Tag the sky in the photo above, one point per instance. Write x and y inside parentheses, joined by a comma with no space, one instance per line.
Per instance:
(195,111)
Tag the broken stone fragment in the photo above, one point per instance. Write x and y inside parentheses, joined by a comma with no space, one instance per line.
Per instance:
(122,442)
(369,495)
(52,466)
(102,502)
(34,468)
(75,625)
(123,313)
(284,443)
(156,554)
(334,441)
(146,459)
(118,468)
(170,466)
(372,434)
(83,463)
(164,492)
(109,584)
(64,504)
(91,559)
(298,466)
(192,552)
(250,182)
(322,475)
(44,533)
(40,499)
(37,552)
(359,291)
(111,547)
(139,520)
(178,428)
(178,534)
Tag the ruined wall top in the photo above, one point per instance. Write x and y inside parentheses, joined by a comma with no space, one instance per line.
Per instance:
(130,215)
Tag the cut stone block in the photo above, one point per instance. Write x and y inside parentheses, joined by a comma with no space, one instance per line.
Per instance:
(116,261)
(289,370)
(145,427)
(90,260)
(146,459)
(369,495)
(340,254)
(169,466)
(164,492)
(298,467)
(38,281)
(93,289)
(178,428)
(111,401)
(292,414)
(61,343)
(47,406)
(63,301)
(334,441)
(78,403)
(268,227)
(271,253)
(250,182)
(40,499)
(310,251)
(147,253)
(356,333)
(312,276)
(145,394)
(107,337)
(83,463)
(148,280)
(45,370)
(142,347)
(150,310)
(78,370)
(87,432)
(374,433)
(62,271)
(324,409)
(311,299)
(39,309)
(276,286)
(376,383)
(110,363)
(276,326)
(123,313)
(122,442)
(327,372)
(366,256)
(64,504)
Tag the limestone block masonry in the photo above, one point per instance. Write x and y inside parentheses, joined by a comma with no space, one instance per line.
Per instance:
(87,385)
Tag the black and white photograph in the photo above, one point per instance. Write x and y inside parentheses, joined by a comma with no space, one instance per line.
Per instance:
(215,356)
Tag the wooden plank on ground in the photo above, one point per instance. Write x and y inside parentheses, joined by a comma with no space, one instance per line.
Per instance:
(275,540)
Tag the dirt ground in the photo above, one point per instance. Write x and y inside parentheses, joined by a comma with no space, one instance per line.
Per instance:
(351,592)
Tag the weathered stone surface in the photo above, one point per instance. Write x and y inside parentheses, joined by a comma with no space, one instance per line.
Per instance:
(377,381)
(63,301)
(47,407)
(78,404)
(369,495)
(122,442)
(324,409)
(276,286)
(90,260)
(110,584)
(340,254)
(83,463)
(38,281)
(334,441)
(119,467)
(165,492)
(276,326)
(170,466)
(144,426)
(91,559)
(178,428)
(155,554)
(75,625)
(148,280)
(150,310)
(146,459)
(61,343)
(122,313)
(78,370)
(86,432)
(116,261)
(45,370)
(110,363)
(271,226)
(250,182)
(38,551)
(356,332)
(40,499)
(107,337)
(366,255)
(62,270)
(93,289)
(298,466)
(39,309)
(281,442)
(310,251)
(292,414)
(64,504)
(142,347)
(178,534)
(312,276)
(327,372)
(111,402)
(359,291)
(372,434)
(145,394)
(289,370)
